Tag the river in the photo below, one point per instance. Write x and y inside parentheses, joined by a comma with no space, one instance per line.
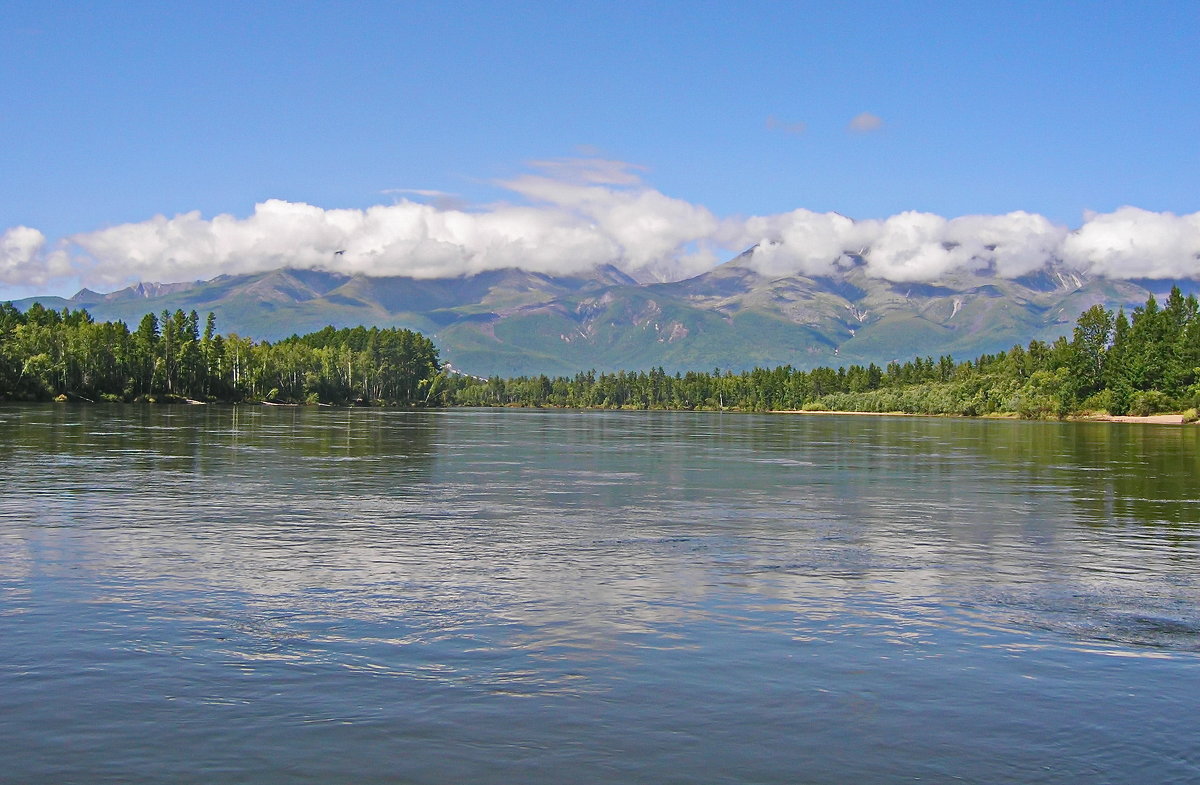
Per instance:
(315,595)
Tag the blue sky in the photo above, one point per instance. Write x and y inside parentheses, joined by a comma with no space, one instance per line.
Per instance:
(114,113)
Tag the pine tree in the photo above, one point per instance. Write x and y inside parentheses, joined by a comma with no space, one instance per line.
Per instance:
(1117,365)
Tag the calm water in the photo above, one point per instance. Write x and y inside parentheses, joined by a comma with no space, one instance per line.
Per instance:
(267,595)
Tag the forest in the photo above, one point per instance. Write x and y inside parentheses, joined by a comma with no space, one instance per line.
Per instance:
(1142,363)
(46,354)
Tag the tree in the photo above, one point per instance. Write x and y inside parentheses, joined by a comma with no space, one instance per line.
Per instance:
(144,356)
(1088,352)
(1116,369)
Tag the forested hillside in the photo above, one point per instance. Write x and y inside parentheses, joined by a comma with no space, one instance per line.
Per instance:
(45,354)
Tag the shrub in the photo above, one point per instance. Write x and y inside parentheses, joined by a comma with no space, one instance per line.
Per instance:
(1191,396)
(1099,402)
(1146,402)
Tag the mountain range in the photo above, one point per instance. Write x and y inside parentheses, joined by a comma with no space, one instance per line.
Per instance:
(514,322)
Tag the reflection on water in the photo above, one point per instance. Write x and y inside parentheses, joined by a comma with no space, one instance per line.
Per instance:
(314,595)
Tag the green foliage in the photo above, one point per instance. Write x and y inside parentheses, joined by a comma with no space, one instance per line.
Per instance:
(1109,365)
(1098,402)
(1145,365)
(1088,352)
(1040,398)
(45,354)
(1146,402)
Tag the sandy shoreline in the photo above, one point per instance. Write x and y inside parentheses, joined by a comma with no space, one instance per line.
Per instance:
(1158,419)
(1153,419)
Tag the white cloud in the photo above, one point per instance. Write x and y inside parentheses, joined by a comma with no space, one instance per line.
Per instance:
(403,239)
(575,214)
(797,242)
(590,212)
(25,260)
(775,124)
(19,246)
(647,228)
(591,170)
(426,192)
(910,246)
(1011,245)
(866,122)
(1134,243)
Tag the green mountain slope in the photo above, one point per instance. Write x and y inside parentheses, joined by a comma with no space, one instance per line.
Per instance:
(513,322)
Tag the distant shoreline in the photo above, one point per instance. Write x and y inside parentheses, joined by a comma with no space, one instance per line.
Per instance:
(1153,419)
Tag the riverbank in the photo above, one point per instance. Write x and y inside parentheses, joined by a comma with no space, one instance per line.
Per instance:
(1153,419)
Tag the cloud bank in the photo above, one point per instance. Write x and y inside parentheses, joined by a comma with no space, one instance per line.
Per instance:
(568,216)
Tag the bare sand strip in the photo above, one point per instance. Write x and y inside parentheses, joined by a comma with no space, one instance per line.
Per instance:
(1153,419)
(1157,419)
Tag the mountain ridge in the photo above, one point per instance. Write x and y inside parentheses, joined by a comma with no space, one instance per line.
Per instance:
(517,322)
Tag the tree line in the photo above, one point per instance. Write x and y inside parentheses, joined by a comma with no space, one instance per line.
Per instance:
(46,354)
(1141,363)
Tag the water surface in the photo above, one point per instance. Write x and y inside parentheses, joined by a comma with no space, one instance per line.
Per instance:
(283,595)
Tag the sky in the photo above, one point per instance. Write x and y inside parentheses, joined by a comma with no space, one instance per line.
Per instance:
(168,141)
